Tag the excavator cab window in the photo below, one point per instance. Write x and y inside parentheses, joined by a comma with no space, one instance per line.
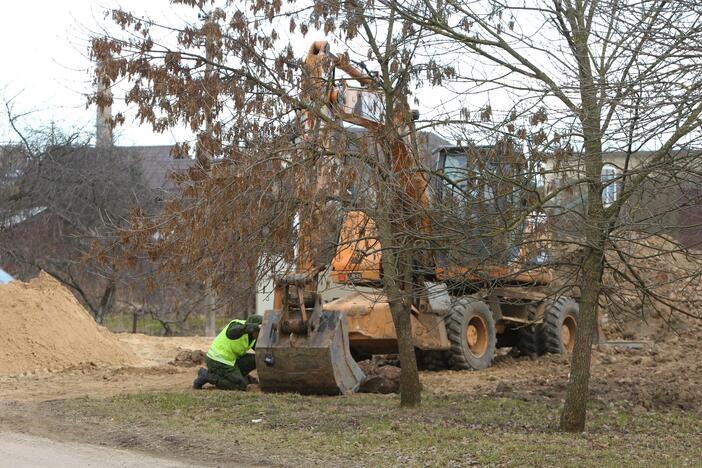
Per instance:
(467,180)
(475,197)
(455,170)
(361,106)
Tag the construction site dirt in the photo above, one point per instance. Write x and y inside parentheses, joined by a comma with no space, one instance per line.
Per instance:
(644,368)
(663,375)
(662,370)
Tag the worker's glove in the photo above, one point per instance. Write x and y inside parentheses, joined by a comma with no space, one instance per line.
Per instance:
(253,323)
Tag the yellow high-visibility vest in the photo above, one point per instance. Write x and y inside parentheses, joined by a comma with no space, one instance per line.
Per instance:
(228,351)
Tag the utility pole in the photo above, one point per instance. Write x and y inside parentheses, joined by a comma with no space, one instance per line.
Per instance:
(103,120)
(210,293)
(104,142)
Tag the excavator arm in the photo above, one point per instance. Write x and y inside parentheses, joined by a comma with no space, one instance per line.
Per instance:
(302,347)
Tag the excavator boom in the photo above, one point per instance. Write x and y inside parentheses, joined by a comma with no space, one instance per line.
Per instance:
(301,347)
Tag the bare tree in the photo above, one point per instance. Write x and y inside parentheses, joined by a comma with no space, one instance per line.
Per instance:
(609,75)
(244,87)
(268,171)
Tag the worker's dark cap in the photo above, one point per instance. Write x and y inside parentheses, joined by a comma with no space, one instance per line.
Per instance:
(254,320)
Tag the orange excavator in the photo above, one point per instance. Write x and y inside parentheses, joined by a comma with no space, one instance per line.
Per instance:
(470,300)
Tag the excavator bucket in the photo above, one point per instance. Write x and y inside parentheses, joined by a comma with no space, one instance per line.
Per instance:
(315,362)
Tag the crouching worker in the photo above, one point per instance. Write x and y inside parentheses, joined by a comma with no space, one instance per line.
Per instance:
(228,363)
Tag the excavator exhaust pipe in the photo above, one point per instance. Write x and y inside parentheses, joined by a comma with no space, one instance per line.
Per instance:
(307,356)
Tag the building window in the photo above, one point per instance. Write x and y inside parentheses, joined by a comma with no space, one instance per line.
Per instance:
(610,189)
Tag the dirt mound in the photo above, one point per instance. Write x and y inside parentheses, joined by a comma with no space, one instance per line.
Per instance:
(43,327)
(652,287)
(189,358)
(379,378)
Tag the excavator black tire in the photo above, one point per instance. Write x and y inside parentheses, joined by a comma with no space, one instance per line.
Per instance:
(559,326)
(471,332)
(527,337)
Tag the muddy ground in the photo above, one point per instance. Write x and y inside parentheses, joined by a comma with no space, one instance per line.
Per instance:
(665,375)
(662,376)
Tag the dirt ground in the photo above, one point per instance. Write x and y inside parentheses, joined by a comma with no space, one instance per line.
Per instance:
(662,376)
(88,360)
(154,373)
(44,328)
(665,375)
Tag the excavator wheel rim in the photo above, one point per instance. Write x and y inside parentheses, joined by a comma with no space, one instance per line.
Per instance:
(568,333)
(477,336)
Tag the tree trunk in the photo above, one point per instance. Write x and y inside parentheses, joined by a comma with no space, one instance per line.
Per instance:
(251,299)
(210,325)
(596,228)
(400,303)
(575,408)
(410,387)
(106,302)
(592,266)
(396,222)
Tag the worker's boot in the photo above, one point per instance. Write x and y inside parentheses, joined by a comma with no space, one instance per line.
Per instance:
(201,379)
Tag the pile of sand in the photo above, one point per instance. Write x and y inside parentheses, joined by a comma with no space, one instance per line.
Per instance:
(43,327)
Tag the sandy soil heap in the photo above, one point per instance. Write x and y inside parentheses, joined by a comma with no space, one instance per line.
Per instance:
(43,327)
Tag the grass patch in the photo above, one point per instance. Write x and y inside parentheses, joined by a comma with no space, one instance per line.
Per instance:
(371,430)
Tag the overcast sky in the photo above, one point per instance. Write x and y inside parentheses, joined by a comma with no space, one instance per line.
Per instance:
(46,67)
(47,71)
